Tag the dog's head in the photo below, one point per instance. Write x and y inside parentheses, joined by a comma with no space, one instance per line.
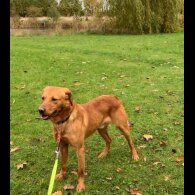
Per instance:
(56,101)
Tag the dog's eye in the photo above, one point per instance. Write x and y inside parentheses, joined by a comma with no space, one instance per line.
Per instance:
(53,99)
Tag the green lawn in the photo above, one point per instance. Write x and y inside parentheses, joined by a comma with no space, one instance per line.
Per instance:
(145,71)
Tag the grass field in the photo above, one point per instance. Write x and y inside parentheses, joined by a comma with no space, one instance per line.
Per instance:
(146,72)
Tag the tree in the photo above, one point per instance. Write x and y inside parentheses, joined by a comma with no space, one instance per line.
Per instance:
(128,15)
(20,6)
(144,16)
(33,11)
(53,13)
(70,8)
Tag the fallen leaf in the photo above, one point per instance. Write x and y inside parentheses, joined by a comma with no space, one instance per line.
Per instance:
(74,172)
(117,188)
(109,178)
(167,177)
(23,87)
(21,165)
(137,108)
(14,149)
(118,170)
(79,72)
(77,83)
(180,158)
(174,150)
(169,92)
(57,193)
(121,136)
(157,162)
(177,123)
(84,62)
(68,187)
(145,158)
(135,191)
(183,164)
(141,146)
(104,78)
(135,180)
(162,142)
(11,143)
(122,76)
(147,137)
(165,129)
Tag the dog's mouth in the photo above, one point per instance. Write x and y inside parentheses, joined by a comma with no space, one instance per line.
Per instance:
(45,117)
(53,114)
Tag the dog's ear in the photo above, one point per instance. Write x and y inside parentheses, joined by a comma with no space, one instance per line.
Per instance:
(68,95)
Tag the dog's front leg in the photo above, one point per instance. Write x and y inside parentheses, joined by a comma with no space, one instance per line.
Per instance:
(64,159)
(81,168)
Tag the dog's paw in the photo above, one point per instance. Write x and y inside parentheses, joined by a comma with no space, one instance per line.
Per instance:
(60,175)
(103,154)
(80,187)
(135,156)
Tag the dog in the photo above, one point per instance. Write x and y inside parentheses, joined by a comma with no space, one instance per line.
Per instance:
(73,123)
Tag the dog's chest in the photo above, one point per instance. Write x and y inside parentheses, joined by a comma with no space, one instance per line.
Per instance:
(68,135)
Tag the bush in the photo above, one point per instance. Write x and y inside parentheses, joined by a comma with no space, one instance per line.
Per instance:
(53,13)
(34,11)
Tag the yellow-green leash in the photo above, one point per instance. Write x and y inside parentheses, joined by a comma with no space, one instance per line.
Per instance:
(53,174)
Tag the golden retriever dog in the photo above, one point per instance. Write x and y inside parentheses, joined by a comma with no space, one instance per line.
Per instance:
(73,122)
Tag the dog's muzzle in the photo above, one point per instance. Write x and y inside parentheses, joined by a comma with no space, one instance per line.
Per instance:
(42,113)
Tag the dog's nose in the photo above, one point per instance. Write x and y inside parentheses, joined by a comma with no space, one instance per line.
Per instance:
(41,110)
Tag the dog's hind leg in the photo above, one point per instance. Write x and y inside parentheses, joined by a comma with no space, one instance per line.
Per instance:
(103,132)
(126,132)
(119,118)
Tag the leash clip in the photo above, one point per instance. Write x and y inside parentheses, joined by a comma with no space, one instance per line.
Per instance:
(57,152)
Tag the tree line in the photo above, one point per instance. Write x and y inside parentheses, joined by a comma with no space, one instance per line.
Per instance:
(135,16)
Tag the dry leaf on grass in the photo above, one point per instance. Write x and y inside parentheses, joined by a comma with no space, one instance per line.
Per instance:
(134,191)
(117,187)
(145,158)
(21,165)
(162,143)
(174,150)
(118,170)
(157,162)
(167,177)
(57,193)
(180,158)
(141,146)
(137,108)
(68,187)
(14,149)
(109,178)
(147,137)
(74,172)
(11,143)
(121,136)
(104,78)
